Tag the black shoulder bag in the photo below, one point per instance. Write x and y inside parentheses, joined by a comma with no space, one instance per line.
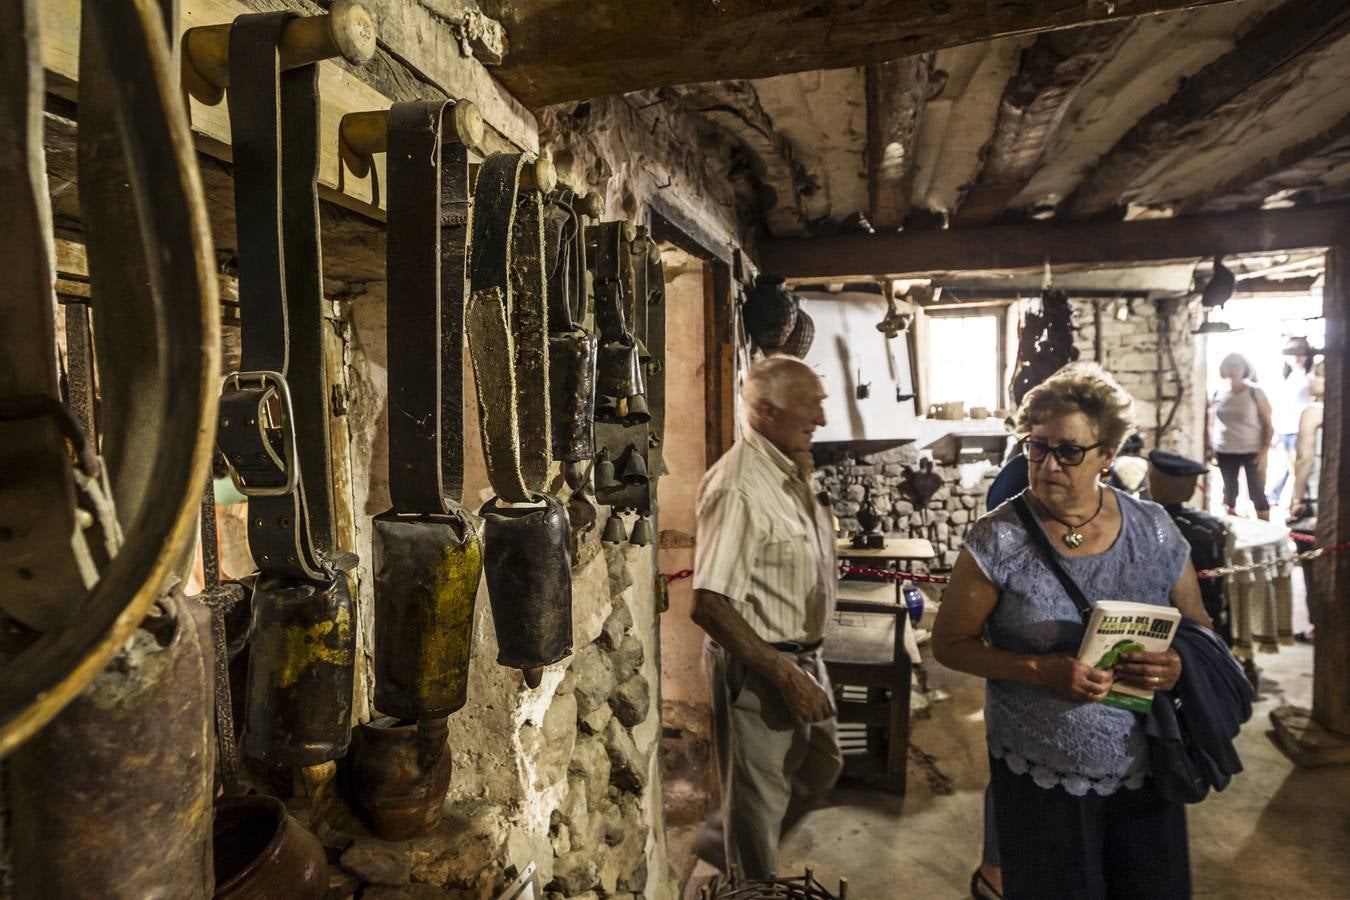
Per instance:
(1175,773)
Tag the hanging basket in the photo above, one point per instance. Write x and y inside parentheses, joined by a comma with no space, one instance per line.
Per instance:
(770,312)
(803,334)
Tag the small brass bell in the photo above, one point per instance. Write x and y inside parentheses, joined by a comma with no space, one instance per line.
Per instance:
(638,414)
(613,533)
(619,371)
(604,473)
(634,468)
(642,532)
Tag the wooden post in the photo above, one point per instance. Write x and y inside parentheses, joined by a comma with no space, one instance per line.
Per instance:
(1322,736)
(719,359)
(1331,649)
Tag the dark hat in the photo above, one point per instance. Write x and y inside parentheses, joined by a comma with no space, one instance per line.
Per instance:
(1298,346)
(1169,463)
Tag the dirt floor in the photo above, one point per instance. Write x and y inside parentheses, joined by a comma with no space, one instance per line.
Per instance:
(1277,831)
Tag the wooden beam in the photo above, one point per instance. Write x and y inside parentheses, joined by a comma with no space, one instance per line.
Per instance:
(1297,169)
(1034,104)
(896,94)
(570,49)
(1331,650)
(342,88)
(1277,40)
(1032,245)
(734,107)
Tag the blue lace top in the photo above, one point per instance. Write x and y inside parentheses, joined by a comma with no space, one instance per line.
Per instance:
(1036,730)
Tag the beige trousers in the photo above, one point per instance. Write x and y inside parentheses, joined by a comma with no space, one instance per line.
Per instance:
(772,768)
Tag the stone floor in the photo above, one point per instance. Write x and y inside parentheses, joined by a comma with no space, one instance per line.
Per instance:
(1276,831)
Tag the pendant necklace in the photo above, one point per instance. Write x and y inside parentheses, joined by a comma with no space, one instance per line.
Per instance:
(1073,538)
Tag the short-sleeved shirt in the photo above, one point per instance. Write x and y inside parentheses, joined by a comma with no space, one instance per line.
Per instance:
(1034,729)
(765,542)
(1238,427)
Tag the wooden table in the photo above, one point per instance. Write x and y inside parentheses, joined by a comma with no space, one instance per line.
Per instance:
(897,549)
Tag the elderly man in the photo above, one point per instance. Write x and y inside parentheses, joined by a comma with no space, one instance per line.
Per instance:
(764,586)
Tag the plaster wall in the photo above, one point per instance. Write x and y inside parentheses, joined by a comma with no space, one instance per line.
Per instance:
(685,456)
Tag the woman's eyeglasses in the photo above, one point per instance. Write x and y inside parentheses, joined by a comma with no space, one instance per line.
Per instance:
(1067,455)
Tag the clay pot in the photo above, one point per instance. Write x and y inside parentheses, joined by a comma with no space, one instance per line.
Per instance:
(262,852)
(396,775)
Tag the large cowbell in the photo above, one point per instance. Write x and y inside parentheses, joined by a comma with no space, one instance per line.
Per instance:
(299,698)
(112,799)
(427,569)
(528,567)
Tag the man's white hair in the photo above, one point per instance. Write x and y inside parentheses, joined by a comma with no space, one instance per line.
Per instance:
(771,381)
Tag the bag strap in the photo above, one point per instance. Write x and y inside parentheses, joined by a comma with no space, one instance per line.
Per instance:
(1038,536)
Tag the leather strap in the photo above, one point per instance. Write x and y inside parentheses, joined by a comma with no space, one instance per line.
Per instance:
(428,232)
(162,218)
(274,412)
(568,304)
(507,327)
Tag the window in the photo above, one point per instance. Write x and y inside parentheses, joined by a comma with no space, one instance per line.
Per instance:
(964,353)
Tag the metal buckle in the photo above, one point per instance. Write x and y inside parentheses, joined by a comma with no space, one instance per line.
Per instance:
(271,384)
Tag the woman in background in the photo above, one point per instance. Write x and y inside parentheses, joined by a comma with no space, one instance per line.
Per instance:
(1293,396)
(1241,433)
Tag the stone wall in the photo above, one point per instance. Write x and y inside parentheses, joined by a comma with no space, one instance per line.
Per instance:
(1130,351)
(847,477)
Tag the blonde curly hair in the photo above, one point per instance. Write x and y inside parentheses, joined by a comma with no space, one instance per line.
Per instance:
(1086,388)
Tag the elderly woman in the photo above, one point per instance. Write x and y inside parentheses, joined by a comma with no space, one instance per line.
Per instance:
(1075,812)
(1241,432)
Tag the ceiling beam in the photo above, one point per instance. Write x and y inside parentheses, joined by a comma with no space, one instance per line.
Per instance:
(563,50)
(1282,35)
(1299,168)
(1034,104)
(896,93)
(1032,245)
(734,107)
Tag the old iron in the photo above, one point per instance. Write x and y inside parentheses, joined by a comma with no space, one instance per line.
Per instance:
(397,774)
(300,670)
(637,412)
(572,373)
(633,472)
(642,532)
(527,564)
(261,852)
(613,533)
(605,477)
(618,378)
(112,799)
(427,570)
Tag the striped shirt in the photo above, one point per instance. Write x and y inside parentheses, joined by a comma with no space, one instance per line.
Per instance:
(765,542)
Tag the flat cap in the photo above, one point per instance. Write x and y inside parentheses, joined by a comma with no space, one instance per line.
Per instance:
(1169,463)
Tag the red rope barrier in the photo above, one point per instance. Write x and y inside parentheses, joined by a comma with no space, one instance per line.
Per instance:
(922,578)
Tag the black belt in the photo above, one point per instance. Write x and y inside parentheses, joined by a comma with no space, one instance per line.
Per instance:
(274,411)
(797,646)
(144,218)
(428,556)
(527,548)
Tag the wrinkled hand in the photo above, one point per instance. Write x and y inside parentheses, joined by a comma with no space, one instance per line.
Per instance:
(1074,678)
(1154,671)
(805,698)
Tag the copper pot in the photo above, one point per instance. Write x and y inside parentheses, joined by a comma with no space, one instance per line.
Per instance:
(262,852)
(397,773)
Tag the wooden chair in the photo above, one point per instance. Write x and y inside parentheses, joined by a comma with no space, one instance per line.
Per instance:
(864,647)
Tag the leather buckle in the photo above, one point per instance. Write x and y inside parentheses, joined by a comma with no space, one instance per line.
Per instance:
(236,438)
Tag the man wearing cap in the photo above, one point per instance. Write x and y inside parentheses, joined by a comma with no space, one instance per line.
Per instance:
(1172,480)
(764,587)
